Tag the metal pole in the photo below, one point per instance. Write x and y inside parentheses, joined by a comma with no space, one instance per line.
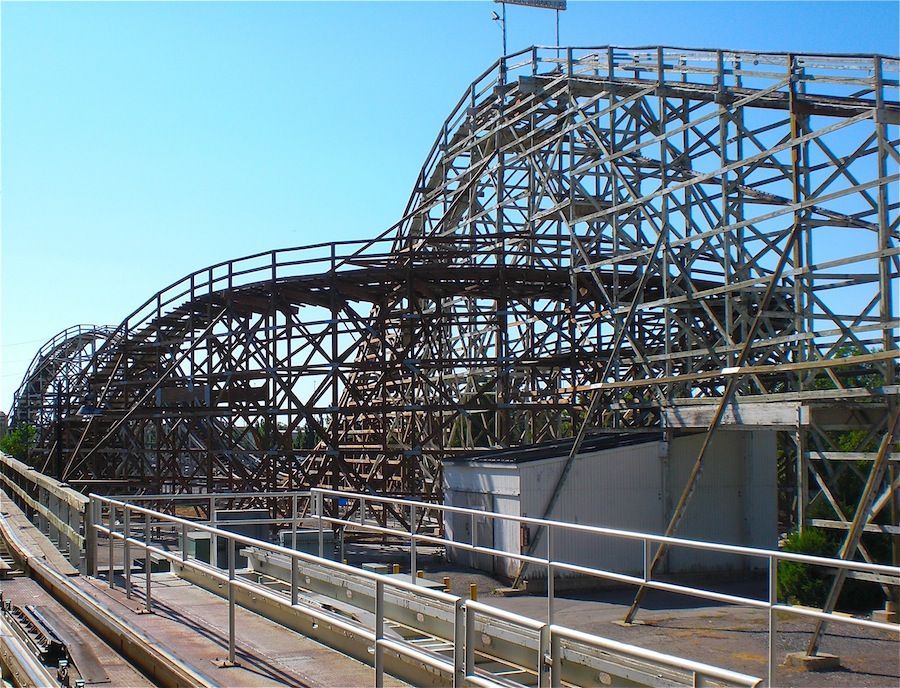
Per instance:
(647,559)
(91,531)
(550,577)
(112,528)
(148,597)
(503,26)
(470,641)
(412,544)
(231,601)
(294,521)
(126,559)
(773,599)
(294,575)
(555,659)
(320,503)
(379,634)
(459,648)
(59,451)
(557,33)
(213,539)
(543,667)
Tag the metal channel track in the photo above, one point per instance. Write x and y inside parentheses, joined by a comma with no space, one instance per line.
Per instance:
(506,652)
(156,662)
(498,667)
(19,663)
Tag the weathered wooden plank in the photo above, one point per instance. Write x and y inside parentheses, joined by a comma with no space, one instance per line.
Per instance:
(773,415)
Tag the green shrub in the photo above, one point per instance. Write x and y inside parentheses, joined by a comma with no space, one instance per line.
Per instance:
(800,583)
(809,585)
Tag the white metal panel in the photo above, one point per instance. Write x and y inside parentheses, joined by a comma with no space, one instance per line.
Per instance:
(486,478)
(507,535)
(725,497)
(476,486)
(762,513)
(617,488)
(632,488)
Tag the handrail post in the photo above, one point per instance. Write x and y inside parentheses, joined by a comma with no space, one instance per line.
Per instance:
(294,576)
(544,658)
(148,598)
(111,529)
(90,534)
(459,644)
(550,577)
(470,641)
(773,600)
(294,521)
(647,559)
(412,544)
(126,555)
(231,602)
(213,538)
(320,507)
(555,659)
(379,634)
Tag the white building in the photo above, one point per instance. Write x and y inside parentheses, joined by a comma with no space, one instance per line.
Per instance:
(626,481)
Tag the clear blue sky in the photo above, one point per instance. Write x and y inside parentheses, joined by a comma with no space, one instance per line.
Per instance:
(143,141)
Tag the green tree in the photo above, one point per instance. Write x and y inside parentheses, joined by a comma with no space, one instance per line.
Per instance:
(305,438)
(17,441)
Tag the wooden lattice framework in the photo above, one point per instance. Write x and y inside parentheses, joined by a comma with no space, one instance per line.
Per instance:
(599,238)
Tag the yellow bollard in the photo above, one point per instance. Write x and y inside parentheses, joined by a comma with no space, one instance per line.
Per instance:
(473,591)
(420,573)
(446,583)
(396,568)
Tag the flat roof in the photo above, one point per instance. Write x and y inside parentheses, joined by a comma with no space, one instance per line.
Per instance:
(556,448)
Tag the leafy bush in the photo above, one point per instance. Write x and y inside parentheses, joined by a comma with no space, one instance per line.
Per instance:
(800,583)
(809,585)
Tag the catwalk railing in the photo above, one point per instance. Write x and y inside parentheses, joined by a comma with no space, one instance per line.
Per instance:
(134,527)
(419,511)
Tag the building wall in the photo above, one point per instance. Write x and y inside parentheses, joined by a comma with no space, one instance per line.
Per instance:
(734,502)
(629,488)
(488,487)
(614,488)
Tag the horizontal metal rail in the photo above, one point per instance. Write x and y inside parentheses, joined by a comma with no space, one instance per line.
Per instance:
(648,540)
(600,530)
(135,529)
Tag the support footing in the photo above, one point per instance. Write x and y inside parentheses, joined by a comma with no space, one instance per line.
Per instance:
(820,662)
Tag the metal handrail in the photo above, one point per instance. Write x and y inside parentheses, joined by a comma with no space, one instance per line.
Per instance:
(627,534)
(773,558)
(461,666)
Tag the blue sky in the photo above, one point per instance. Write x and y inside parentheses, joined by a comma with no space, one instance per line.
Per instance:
(141,141)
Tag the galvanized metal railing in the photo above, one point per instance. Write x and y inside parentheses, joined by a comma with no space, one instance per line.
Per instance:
(889,574)
(133,526)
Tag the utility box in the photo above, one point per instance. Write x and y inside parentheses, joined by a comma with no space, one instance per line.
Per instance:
(198,545)
(308,542)
(627,481)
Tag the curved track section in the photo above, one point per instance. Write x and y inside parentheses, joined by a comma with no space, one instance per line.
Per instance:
(605,232)
(44,398)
